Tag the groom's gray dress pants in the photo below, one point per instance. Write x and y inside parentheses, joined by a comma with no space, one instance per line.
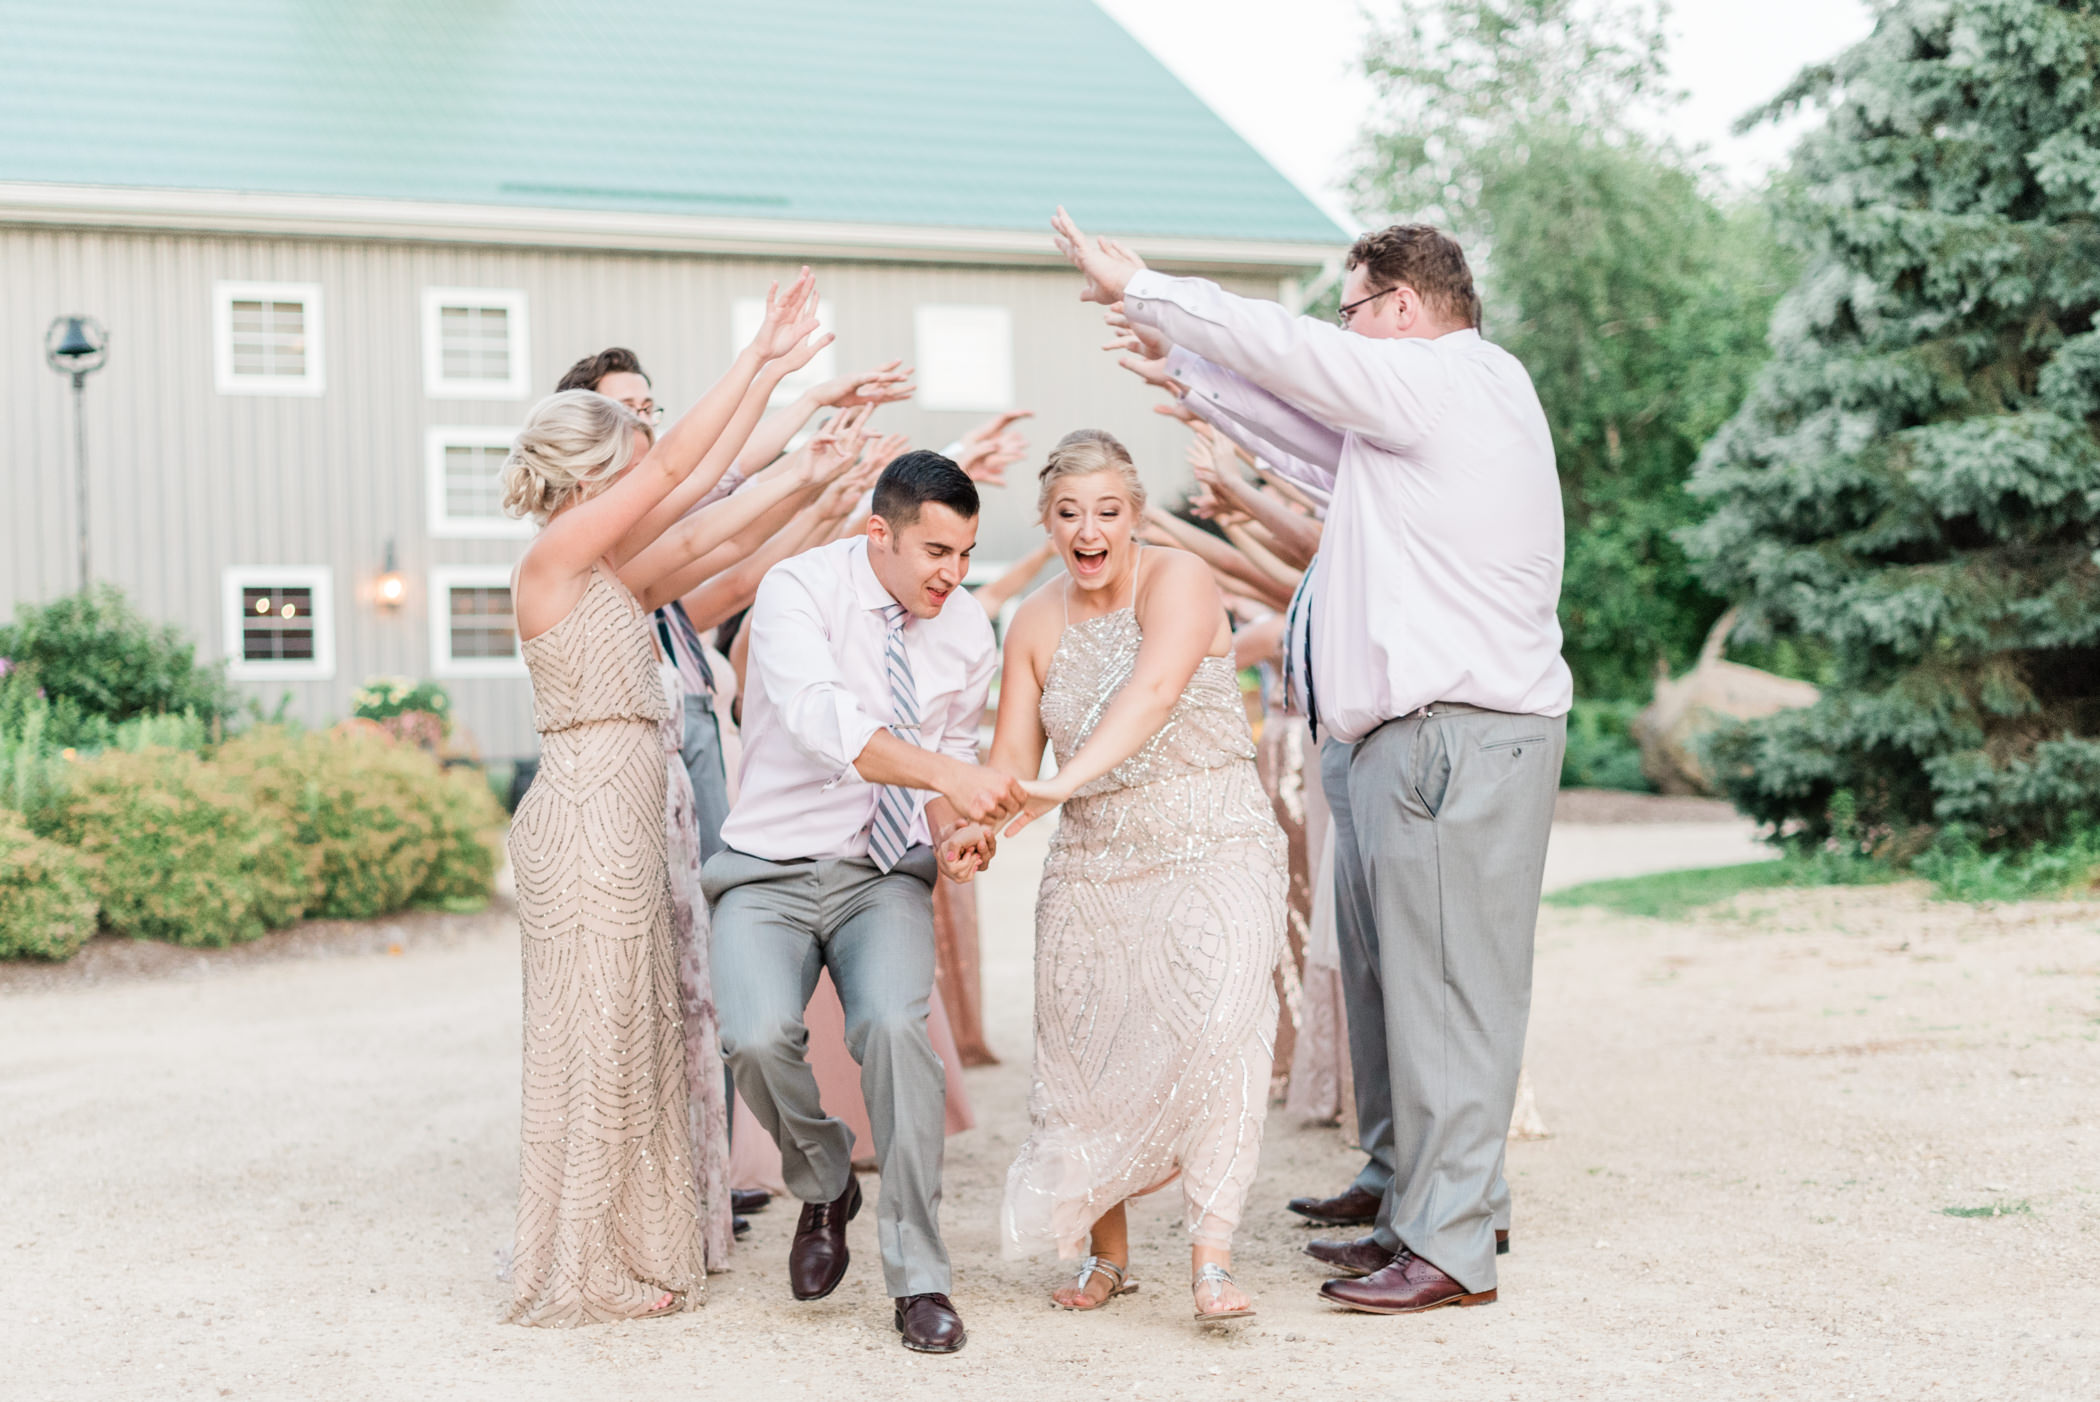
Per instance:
(776,926)
(1442,843)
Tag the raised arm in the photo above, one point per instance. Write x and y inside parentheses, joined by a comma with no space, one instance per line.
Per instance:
(992,597)
(885,384)
(714,599)
(702,480)
(1390,392)
(1218,554)
(555,569)
(1180,614)
(1296,537)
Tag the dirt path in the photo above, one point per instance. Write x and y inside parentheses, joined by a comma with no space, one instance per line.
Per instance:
(290,1177)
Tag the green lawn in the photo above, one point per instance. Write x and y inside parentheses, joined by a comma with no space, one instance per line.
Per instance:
(1670,895)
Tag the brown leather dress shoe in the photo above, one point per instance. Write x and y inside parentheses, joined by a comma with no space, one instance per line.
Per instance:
(1352,1258)
(817,1260)
(1408,1286)
(1364,1255)
(1354,1208)
(744,1201)
(929,1324)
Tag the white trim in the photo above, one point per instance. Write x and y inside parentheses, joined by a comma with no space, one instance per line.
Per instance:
(445,578)
(318,578)
(447,527)
(224,295)
(931,322)
(418,221)
(512,301)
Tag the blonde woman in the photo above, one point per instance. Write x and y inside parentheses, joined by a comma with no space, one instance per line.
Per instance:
(1161,915)
(609,1221)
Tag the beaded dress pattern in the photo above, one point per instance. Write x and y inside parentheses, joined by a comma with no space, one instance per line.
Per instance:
(1158,928)
(607,1211)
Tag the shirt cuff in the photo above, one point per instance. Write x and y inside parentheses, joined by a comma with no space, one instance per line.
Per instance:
(1146,285)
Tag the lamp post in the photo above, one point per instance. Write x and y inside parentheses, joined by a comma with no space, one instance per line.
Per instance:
(77,346)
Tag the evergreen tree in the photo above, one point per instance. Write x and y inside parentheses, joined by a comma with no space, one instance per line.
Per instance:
(1915,479)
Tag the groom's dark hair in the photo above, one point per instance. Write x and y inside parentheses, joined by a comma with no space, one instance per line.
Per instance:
(916,478)
(1425,258)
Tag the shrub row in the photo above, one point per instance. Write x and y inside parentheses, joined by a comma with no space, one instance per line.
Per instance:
(271,827)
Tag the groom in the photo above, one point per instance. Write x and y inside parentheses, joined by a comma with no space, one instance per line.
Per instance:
(861,711)
(1424,645)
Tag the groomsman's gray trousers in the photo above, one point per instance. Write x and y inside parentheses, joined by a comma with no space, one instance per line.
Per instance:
(1440,826)
(776,925)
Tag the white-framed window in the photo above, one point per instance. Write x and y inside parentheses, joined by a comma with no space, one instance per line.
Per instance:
(744,319)
(475,344)
(462,472)
(266,337)
(965,357)
(473,626)
(280,622)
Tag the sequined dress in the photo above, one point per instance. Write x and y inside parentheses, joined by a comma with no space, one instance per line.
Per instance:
(1158,928)
(607,1212)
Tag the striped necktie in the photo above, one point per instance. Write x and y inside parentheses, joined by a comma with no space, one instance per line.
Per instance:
(1297,650)
(889,836)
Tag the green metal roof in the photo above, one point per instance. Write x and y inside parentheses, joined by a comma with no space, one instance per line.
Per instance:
(955,113)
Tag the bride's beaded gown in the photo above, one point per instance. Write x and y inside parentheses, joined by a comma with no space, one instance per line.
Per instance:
(1158,928)
(607,1213)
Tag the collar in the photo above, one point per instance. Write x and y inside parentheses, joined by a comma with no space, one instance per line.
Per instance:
(866,587)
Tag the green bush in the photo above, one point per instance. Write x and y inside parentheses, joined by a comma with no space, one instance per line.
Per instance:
(45,909)
(357,804)
(98,663)
(176,852)
(1961,869)
(467,816)
(1602,753)
(32,768)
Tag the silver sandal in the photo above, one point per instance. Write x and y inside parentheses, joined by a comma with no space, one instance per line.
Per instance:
(1217,1278)
(1122,1284)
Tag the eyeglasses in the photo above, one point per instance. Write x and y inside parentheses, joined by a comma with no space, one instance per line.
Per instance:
(1348,309)
(651,411)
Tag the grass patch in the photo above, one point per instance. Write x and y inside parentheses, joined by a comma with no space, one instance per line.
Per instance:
(1996,1209)
(1671,895)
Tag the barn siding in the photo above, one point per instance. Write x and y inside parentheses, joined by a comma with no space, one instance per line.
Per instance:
(184,481)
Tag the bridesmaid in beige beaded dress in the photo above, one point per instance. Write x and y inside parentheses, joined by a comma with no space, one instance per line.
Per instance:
(609,1213)
(1161,914)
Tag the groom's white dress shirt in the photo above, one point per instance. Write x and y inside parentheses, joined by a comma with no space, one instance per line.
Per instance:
(815,693)
(1438,575)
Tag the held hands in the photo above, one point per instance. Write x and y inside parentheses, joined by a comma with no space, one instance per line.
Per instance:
(1108,265)
(1040,796)
(966,849)
(982,794)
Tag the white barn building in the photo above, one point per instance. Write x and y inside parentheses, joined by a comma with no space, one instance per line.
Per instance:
(340,250)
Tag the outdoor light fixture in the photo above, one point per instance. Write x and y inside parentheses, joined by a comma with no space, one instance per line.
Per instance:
(77,346)
(390,588)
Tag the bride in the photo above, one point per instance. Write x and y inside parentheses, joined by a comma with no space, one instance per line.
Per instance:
(1161,914)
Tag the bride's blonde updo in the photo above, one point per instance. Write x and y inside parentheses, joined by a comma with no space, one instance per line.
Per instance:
(574,444)
(1081,453)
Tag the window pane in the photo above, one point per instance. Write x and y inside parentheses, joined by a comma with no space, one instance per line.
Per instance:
(474,343)
(482,623)
(277,625)
(269,338)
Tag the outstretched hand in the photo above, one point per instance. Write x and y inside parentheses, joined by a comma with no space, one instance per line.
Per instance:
(1042,796)
(1129,336)
(790,316)
(885,384)
(1107,265)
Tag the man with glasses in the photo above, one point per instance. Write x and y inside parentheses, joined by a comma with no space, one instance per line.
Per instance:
(1424,646)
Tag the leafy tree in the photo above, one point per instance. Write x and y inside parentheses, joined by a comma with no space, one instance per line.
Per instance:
(1637,302)
(98,663)
(1915,480)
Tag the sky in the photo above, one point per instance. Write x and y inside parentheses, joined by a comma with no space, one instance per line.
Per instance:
(1281,72)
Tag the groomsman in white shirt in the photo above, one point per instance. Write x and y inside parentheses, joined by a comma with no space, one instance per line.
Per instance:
(1425,646)
(863,696)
